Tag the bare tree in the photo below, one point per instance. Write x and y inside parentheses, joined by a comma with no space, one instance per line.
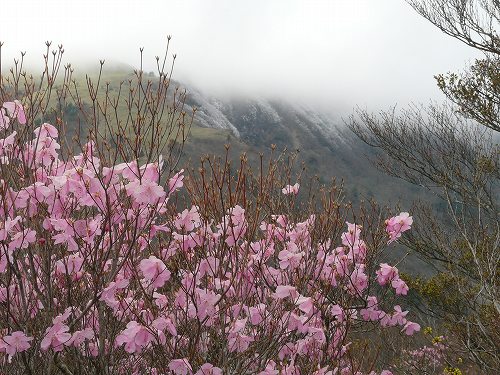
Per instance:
(476,23)
(449,150)
(459,163)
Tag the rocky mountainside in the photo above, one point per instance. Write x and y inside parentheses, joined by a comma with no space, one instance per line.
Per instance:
(325,144)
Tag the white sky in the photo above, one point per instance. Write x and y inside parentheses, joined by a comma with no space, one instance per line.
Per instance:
(336,53)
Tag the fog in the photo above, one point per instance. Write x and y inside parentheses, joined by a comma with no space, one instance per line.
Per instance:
(331,53)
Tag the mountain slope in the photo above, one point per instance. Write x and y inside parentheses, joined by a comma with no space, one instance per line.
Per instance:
(326,146)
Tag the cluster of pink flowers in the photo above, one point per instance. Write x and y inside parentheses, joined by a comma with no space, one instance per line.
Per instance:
(396,225)
(103,264)
(432,358)
(389,274)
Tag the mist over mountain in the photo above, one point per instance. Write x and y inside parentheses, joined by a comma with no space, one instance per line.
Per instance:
(325,144)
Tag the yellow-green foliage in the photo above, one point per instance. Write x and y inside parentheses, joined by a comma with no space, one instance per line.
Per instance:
(452,371)
(437,290)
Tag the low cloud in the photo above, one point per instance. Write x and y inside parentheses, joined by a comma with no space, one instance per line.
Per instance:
(332,53)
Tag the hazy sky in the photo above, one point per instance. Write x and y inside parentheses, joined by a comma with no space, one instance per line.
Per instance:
(338,53)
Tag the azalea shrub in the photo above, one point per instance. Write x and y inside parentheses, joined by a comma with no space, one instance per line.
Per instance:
(115,260)
(126,268)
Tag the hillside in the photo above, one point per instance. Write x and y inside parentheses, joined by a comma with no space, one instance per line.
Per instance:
(326,146)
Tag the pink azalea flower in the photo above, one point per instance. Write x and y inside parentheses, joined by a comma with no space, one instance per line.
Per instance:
(399,315)
(180,366)
(359,280)
(135,337)
(284,291)
(108,294)
(79,337)
(154,271)
(270,369)
(15,109)
(400,286)
(410,328)
(4,120)
(14,343)
(296,322)
(209,369)
(238,325)
(289,259)
(386,273)
(305,304)
(163,323)
(160,299)
(257,314)
(317,334)
(70,264)
(188,220)
(8,142)
(337,312)
(351,238)
(151,171)
(238,342)
(371,313)
(145,192)
(87,229)
(46,130)
(127,170)
(396,225)
(56,337)
(205,303)
(234,225)
(176,182)
(21,240)
(386,320)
